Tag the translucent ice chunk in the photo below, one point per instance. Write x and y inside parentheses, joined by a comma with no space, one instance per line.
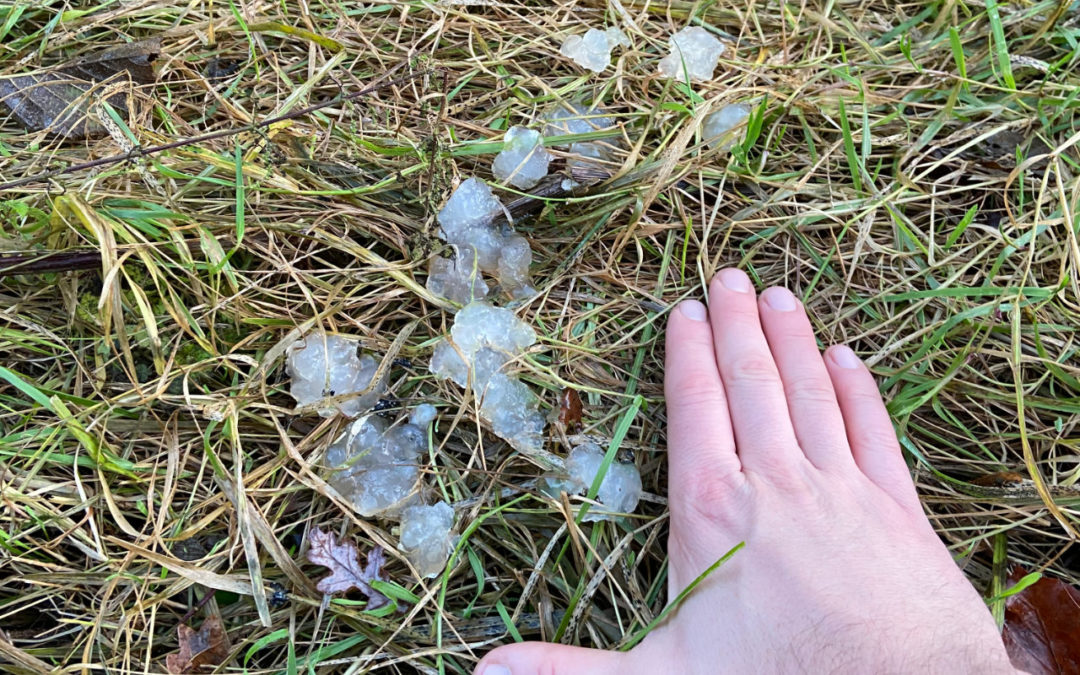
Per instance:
(523,160)
(513,270)
(593,49)
(616,37)
(584,155)
(376,465)
(425,537)
(447,364)
(718,127)
(619,492)
(457,278)
(574,118)
(480,325)
(323,366)
(694,52)
(488,338)
(423,415)
(467,222)
(471,204)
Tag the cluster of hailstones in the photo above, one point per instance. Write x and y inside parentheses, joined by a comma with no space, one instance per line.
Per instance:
(470,222)
(375,464)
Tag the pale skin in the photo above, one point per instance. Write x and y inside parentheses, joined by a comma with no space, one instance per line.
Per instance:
(774,444)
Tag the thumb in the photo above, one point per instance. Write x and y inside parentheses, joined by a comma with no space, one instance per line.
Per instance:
(541,658)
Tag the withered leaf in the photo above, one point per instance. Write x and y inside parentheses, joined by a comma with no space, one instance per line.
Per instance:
(570,410)
(1042,626)
(345,571)
(199,649)
(1001,479)
(61,99)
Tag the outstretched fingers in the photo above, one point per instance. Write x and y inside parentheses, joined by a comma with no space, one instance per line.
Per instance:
(869,430)
(755,394)
(815,414)
(699,427)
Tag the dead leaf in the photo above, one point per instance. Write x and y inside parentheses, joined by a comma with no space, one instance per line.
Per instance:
(570,410)
(204,648)
(60,99)
(1001,479)
(345,571)
(1042,626)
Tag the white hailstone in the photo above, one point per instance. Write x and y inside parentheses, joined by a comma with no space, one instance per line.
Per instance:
(489,337)
(467,222)
(523,161)
(694,52)
(718,127)
(425,537)
(593,49)
(376,465)
(616,37)
(322,366)
(619,492)
(457,278)
(423,415)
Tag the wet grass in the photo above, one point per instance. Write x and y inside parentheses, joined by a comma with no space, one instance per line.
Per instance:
(909,170)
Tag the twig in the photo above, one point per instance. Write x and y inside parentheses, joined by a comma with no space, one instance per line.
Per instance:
(143,152)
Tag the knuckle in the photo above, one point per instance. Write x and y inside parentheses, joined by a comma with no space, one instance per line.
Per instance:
(753,369)
(811,391)
(877,440)
(697,392)
(708,498)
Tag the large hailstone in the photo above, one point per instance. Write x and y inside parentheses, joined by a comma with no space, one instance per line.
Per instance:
(484,340)
(718,129)
(426,538)
(694,52)
(593,49)
(324,366)
(523,161)
(467,222)
(457,278)
(619,492)
(376,466)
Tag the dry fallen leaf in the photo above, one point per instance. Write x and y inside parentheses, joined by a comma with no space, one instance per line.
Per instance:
(1042,626)
(60,99)
(345,571)
(570,410)
(206,647)
(1001,479)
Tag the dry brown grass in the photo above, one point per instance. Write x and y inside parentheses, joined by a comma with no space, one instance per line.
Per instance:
(142,402)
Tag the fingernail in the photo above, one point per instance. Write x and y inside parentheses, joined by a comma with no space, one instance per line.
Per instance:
(735,280)
(780,299)
(494,669)
(844,357)
(693,310)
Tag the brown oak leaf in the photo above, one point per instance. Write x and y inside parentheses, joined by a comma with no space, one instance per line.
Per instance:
(345,570)
(1042,626)
(203,648)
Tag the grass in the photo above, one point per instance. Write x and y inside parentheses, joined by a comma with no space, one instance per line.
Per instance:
(896,173)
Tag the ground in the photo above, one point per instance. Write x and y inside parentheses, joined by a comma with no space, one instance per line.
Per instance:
(909,170)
